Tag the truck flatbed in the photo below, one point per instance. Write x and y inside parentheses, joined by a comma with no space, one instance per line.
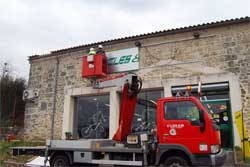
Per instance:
(92,145)
(102,149)
(76,145)
(87,148)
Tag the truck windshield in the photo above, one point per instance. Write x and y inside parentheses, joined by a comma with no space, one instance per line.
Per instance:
(181,110)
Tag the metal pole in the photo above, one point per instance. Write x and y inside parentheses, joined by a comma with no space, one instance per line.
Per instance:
(54,99)
(243,134)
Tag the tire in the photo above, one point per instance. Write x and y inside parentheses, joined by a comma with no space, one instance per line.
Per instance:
(59,160)
(176,161)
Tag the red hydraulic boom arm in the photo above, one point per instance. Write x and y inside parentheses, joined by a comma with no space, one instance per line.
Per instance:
(131,87)
(127,109)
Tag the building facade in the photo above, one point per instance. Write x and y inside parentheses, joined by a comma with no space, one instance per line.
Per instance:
(217,54)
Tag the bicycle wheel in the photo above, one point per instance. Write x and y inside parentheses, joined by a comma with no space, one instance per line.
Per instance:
(101,133)
(86,132)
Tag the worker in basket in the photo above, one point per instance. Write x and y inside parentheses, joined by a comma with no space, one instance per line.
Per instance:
(90,57)
(100,50)
(92,51)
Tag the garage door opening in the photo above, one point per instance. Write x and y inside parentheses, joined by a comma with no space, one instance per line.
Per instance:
(215,98)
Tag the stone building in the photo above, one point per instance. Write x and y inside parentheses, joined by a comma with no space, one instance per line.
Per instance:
(217,54)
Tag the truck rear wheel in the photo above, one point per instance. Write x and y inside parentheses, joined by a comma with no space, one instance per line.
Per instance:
(176,161)
(59,160)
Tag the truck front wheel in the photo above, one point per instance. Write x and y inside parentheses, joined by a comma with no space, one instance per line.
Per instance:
(176,161)
(59,160)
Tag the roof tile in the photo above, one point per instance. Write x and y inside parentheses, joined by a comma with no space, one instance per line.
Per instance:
(147,35)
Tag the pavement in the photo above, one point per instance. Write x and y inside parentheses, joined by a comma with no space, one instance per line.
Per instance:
(230,161)
(37,162)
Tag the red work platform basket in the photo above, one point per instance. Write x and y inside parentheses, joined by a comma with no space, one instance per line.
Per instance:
(94,66)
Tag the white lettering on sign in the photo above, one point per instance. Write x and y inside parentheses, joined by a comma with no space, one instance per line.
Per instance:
(178,126)
(123,60)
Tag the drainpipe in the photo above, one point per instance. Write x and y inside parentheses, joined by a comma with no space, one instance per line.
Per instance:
(243,134)
(54,99)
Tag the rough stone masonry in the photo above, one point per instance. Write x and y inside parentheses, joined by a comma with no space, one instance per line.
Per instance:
(222,46)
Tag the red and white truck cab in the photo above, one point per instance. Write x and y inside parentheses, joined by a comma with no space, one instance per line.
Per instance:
(187,133)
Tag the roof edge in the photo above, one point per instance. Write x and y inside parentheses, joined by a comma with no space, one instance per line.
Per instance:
(147,35)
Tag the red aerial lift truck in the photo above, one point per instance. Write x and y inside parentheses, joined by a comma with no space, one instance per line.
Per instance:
(186,135)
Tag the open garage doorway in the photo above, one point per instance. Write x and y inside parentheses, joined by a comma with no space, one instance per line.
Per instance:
(215,98)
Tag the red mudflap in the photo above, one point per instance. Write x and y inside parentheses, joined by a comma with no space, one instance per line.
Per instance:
(126,115)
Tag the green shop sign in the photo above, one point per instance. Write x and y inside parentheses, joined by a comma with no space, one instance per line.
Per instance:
(123,60)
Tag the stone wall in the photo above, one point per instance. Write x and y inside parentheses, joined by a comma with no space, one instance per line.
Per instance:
(223,48)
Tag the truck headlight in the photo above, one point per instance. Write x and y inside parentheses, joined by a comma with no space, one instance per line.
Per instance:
(215,148)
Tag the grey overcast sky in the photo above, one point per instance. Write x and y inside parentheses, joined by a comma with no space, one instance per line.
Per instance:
(29,27)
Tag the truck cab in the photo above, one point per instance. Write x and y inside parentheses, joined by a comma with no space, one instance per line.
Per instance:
(187,133)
